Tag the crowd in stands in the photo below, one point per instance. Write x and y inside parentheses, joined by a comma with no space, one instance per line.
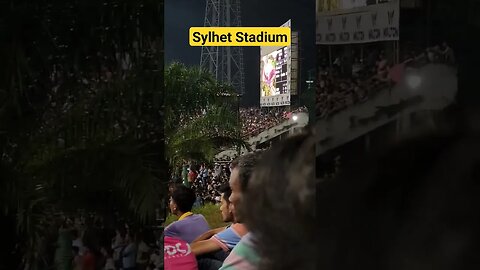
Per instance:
(245,199)
(257,120)
(412,205)
(341,86)
(87,242)
(204,180)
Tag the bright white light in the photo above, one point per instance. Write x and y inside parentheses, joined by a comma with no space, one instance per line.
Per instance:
(414,81)
(295,118)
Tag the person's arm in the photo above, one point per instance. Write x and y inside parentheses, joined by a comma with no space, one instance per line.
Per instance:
(204,247)
(224,240)
(208,234)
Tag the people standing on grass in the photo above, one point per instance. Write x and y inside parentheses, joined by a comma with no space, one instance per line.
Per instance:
(185,170)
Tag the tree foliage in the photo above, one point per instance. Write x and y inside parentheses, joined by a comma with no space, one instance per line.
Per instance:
(80,113)
(201,115)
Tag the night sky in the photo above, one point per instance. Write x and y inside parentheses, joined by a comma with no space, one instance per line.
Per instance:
(180,15)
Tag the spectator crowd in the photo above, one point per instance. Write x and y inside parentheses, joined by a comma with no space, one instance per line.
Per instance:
(88,242)
(204,180)
(246,201)
(256,120)
(342,85)
(386,210)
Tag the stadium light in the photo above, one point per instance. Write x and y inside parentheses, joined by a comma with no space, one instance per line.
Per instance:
(295,118)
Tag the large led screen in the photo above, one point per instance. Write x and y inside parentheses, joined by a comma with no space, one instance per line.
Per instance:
(274,77)
(275,74)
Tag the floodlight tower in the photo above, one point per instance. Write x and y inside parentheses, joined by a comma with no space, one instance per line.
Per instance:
(225,63)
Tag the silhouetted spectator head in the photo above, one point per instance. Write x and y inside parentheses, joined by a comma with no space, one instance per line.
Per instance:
(415,206)
(279,205)
(242,169)
(182,200)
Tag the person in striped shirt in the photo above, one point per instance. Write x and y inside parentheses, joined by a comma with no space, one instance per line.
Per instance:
(243,256)
(277,206)
(224,238)
(213,247)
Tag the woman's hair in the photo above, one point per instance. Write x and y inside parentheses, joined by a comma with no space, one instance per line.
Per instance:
(414,206)
(279,205)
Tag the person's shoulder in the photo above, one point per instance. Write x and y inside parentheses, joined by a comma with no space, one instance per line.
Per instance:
(199,217)
(239,228)
(242,254)
(171,227)
(248,240)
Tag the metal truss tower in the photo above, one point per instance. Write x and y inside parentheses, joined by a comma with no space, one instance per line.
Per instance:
(225,63)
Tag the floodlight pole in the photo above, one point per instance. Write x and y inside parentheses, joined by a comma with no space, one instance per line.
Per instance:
(224,63)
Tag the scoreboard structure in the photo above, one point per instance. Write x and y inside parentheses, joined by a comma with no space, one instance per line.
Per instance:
(276,74)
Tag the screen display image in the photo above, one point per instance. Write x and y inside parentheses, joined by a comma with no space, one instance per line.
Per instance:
(274,73)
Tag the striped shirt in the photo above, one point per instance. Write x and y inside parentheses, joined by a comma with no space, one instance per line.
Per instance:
(243,256)
(229,238)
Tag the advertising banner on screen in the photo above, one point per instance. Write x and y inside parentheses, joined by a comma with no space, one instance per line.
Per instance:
(275,75)
(359,25)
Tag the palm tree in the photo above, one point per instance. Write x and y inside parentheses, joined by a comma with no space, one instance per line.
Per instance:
(201,115)
(80,115)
